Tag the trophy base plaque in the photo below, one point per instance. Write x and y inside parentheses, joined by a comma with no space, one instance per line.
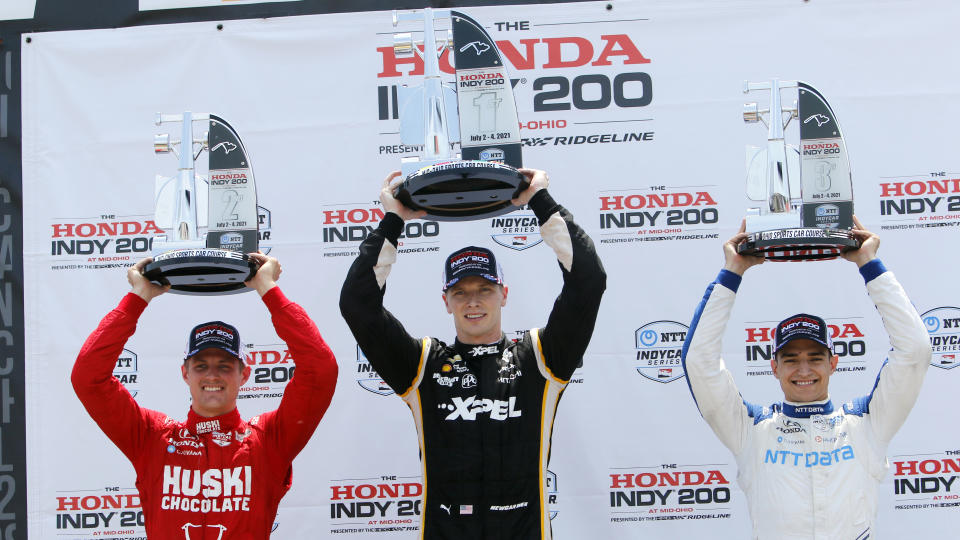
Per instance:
(202,271)
(798,244)
(463,190)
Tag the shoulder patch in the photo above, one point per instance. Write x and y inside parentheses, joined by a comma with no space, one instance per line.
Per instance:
(858,407)
(759,413)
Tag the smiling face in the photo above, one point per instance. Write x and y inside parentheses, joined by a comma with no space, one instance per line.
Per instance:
(214,378)
(475,304)
(803,368)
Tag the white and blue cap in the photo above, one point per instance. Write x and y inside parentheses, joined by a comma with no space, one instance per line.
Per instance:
(471,261)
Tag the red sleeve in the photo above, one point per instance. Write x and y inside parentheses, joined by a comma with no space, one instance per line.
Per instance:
(310,390)
(105,398)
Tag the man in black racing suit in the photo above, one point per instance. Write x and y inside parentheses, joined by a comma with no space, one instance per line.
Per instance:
(483,406)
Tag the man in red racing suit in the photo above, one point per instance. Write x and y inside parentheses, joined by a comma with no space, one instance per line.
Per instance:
(213,476)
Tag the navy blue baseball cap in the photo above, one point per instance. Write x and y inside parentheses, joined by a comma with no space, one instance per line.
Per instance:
(214,334)
(471,261)
(802,326)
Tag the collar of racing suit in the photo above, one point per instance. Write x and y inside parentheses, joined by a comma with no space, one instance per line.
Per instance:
(806,410)
(202,424)
(475,350)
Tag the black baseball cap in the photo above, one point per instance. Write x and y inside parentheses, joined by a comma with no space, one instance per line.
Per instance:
(802,326)
(471,261)
(216,334)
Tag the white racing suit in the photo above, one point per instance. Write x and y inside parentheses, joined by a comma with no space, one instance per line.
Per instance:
(809,470)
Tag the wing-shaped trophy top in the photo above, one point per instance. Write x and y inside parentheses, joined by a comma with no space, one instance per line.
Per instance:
(473,48)
(489,126)
(817,120)
(233,194)
(824,165)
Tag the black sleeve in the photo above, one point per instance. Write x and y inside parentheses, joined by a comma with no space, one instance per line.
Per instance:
(570,326)
(387,345)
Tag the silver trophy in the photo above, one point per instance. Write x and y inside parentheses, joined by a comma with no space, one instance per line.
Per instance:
(477,109)
(805,191)
(210,220)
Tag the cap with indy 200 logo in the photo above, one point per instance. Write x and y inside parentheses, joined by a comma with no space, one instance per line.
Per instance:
(214,334)
(471,261)
(802,326)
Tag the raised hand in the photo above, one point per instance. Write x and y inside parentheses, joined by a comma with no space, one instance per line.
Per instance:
(733,261)
(392,204)
(869,244)
(141,286)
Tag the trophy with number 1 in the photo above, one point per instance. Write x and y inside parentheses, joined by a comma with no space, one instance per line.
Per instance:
(478,110)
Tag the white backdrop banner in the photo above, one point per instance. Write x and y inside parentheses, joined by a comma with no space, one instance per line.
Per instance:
(634,108)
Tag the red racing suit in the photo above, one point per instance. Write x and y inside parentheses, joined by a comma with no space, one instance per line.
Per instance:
(214,478)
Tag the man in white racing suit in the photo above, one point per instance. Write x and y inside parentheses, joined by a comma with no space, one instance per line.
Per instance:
(809,468)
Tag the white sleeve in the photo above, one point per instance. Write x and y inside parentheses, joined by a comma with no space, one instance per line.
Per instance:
(901,376)
(711,383)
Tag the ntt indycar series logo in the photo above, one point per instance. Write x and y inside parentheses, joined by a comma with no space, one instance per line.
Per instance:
(943,325)
(659,345)
(492,154)
(669,492)
(517,230)
(920,202)
(386,503)
(927,481)
(849,344)
(553,492)
(346,225)
(126,371)
(657,214)
(578,85)
(271,368)
(265,229)
(367,377)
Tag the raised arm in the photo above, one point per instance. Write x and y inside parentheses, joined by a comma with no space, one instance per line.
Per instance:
(901,376)
(710,382)
(387,345)
(308,394)
(107,401)
(570,325)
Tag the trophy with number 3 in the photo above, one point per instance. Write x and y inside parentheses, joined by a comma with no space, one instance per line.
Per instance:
(806,192)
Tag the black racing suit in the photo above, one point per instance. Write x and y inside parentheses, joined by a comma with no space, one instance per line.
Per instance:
(484,413)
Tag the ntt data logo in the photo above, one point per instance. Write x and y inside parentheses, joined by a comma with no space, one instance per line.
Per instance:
(659,345)
(368,379)
(943,326)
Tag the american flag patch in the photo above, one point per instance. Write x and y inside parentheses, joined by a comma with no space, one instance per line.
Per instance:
(466,509)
